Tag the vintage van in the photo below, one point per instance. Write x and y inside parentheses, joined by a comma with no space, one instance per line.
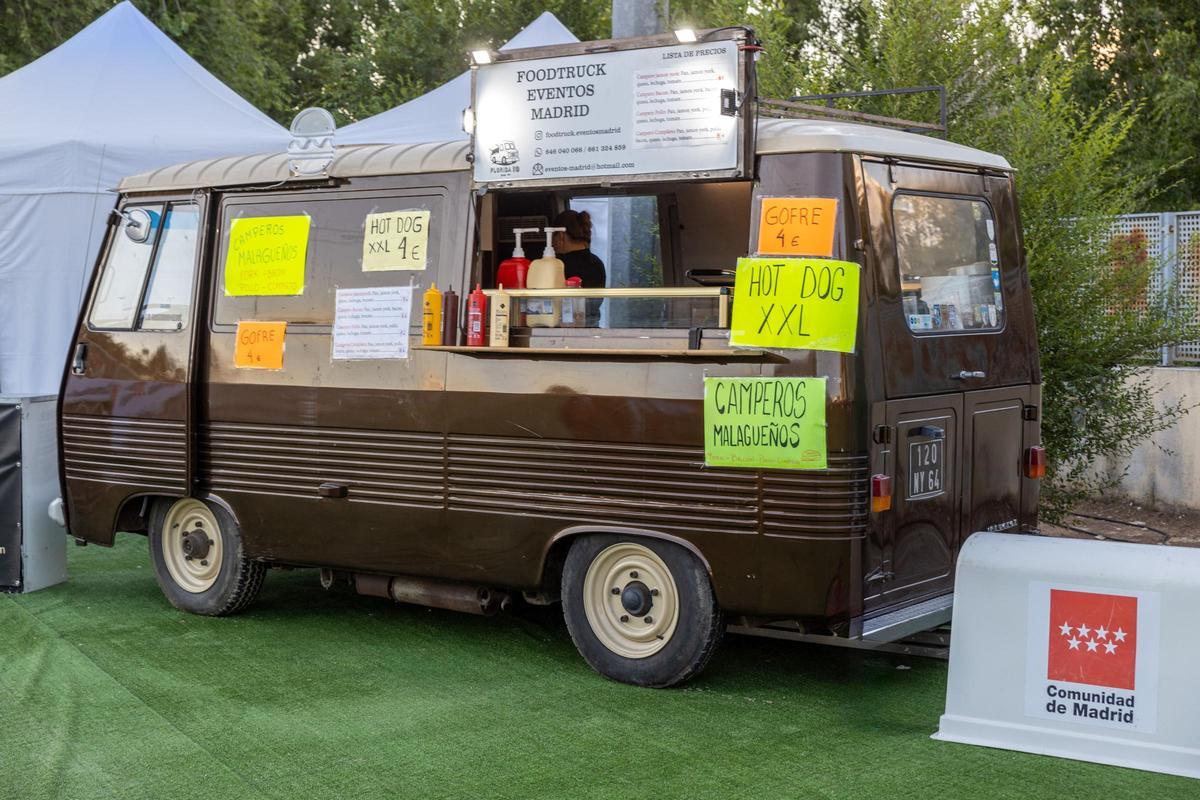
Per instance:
(571,465)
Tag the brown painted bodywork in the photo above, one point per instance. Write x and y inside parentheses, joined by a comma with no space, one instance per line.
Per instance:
(480,468)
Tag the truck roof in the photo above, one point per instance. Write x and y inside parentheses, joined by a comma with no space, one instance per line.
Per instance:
(774,136)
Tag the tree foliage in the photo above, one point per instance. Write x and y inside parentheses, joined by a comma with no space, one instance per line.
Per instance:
(354,57)
(1101,319)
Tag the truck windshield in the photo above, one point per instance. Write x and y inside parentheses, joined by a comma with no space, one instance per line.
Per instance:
(949,264)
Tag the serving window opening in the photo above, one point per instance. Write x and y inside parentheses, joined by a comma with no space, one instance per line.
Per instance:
(946,249)
(678,244)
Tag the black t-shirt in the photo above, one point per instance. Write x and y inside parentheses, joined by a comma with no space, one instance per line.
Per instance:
(585,264)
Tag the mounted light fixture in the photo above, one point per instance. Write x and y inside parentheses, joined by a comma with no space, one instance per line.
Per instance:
(481,57)
(686,35)
(468,120)
(311,150)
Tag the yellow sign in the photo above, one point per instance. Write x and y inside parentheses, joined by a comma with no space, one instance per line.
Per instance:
(797,226)
(266,255)
(395,240)
(765,423)
(795,303)
(259,345)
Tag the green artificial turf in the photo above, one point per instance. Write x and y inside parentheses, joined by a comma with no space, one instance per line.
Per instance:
(107,691)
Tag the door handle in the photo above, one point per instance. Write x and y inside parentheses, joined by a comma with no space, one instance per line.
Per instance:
(331,489)
(79,360)
(964,374)
(927,431)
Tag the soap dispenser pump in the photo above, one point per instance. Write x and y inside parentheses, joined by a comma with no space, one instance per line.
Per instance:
(547,272)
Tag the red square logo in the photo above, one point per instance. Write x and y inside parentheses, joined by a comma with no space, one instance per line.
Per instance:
(1093,638)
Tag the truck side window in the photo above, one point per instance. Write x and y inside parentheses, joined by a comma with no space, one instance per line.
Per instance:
(946,248)
(124,275)
(169,292)
(334,257)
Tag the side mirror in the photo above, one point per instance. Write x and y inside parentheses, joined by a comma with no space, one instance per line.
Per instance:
(138,224)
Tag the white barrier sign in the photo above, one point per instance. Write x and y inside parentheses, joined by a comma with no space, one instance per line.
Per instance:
(650,110)
(1075,648)
(1092,656)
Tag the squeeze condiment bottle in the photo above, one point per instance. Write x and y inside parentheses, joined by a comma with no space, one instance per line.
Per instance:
(512,271)
(431,317)
(450,317)
(476,311)
(573,307)
(501,310)
(548,272)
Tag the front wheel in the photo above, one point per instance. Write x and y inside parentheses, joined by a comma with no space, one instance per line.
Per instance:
(198,558)
(640,611)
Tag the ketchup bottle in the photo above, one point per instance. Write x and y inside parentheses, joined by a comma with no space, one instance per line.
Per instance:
(476,313)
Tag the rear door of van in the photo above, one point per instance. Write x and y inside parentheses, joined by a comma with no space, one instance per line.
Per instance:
(127,395)
(956,340)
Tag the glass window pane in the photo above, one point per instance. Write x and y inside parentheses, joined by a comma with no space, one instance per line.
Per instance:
(334,256)
(124,273)
(169,295)
(627,239)
(949,265)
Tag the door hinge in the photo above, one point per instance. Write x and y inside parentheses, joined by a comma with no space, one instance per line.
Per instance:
(1029,413)
(883,434)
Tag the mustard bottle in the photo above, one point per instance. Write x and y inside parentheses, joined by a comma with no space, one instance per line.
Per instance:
(431,318)
(501,311)
(547,272)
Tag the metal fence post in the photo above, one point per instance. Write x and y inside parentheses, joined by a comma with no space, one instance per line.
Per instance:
(1168,264)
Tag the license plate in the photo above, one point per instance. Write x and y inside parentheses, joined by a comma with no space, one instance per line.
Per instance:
(925,474)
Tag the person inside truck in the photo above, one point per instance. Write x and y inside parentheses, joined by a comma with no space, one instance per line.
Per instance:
(573,246)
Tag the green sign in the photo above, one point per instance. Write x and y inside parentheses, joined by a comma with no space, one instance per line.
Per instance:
(796,303)
(768,423)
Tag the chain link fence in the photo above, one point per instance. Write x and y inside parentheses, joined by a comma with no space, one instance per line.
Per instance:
(1171,240)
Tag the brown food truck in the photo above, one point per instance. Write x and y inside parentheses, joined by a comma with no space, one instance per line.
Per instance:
(250,384)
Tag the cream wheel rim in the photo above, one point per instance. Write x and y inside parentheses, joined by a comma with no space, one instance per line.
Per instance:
(630,599)
(192,546)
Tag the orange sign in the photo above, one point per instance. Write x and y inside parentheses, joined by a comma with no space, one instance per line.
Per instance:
(797,226)
(259,345)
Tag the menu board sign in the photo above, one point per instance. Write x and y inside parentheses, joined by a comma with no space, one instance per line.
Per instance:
(650,110)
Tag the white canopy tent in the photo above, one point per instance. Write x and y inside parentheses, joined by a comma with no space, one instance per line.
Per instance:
(117,98)
(437,115)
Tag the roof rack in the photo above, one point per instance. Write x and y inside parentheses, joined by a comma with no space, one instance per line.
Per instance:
(801,107)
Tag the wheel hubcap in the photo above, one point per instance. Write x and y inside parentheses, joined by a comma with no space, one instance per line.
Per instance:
(630,599)
(636,599)
(191,545)
(195,545)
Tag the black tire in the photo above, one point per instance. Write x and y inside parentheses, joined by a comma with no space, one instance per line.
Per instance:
(697,632)
(237,582)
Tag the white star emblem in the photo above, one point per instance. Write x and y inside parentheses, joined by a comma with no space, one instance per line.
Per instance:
(1084,630)
(1101,632)
(1109,647)
(1119,634)
(1092,645)
(1065,628)
(1073,643)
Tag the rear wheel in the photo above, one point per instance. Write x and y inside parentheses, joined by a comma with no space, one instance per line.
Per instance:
(640,611)
(198,558)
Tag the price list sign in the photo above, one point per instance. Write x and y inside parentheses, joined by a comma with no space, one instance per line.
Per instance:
(650,110)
